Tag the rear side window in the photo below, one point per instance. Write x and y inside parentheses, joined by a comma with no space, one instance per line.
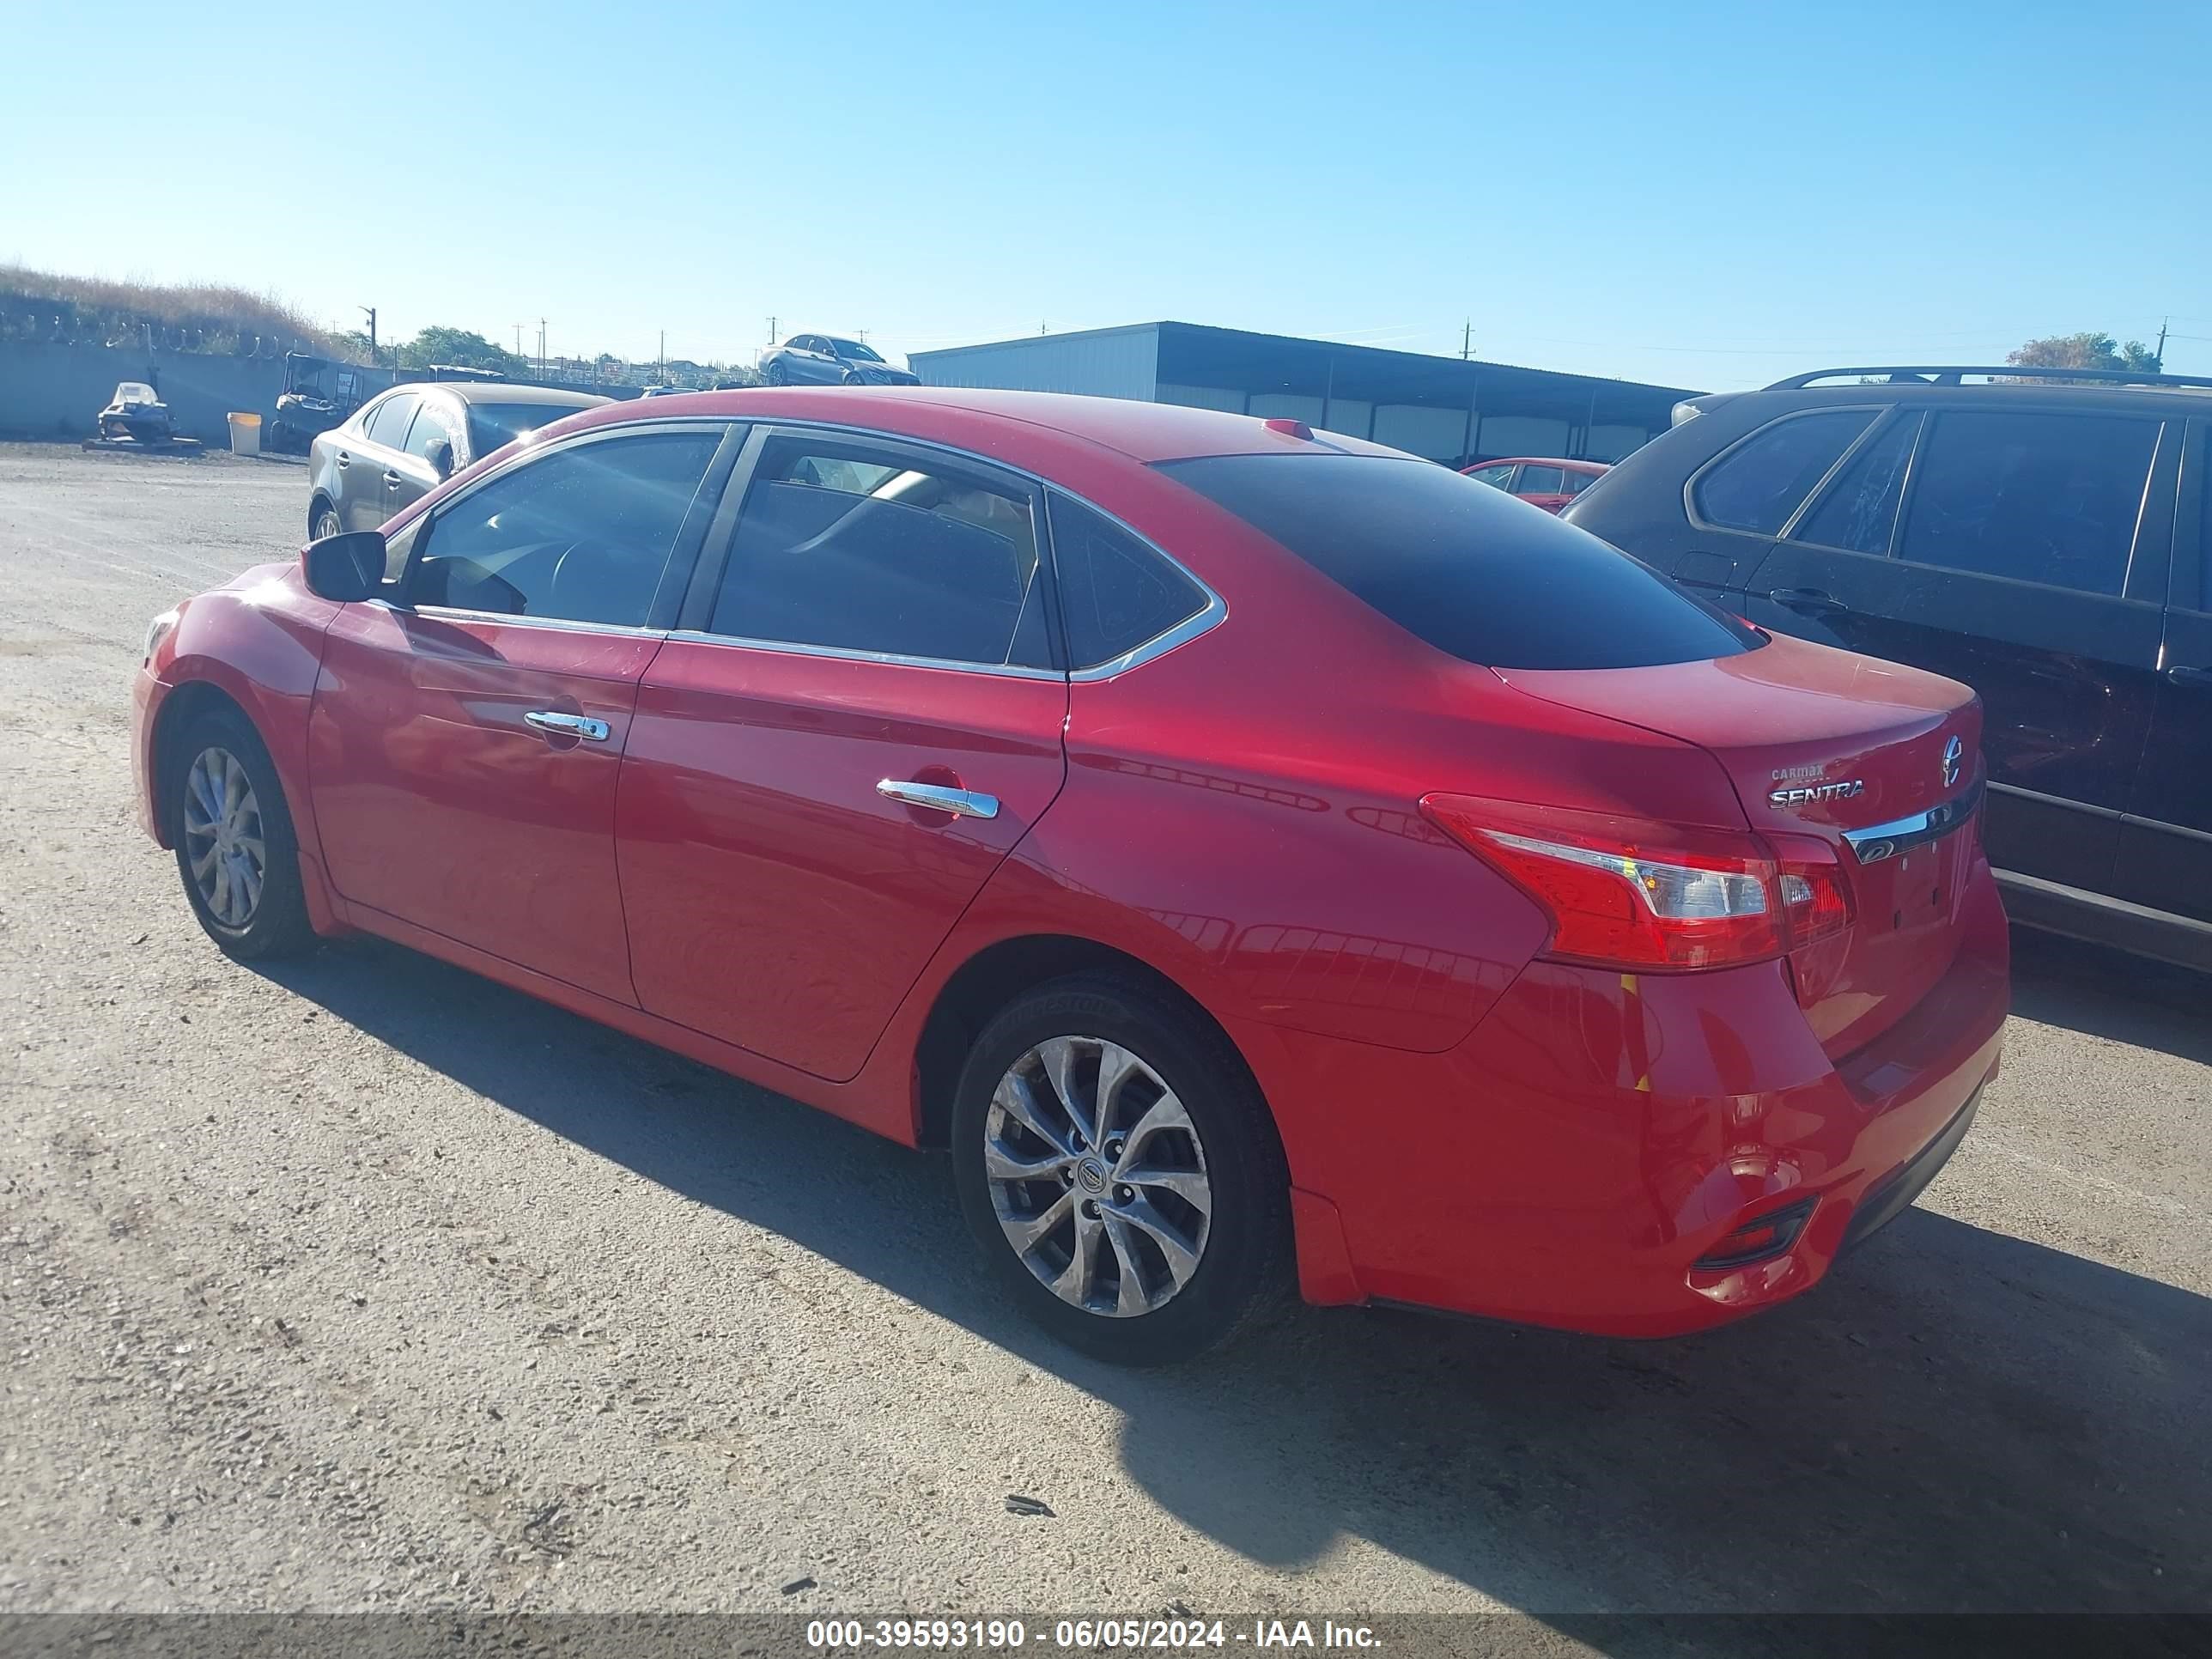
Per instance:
(1541,480)
(583,534)
(1116,592)
(1578,481)
(1859,509)
(1463,568)
(858,550)
(2044,498)
(1497,477)
(388,426)
(1757,485)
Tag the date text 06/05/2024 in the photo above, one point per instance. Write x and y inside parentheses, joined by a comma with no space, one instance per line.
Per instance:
(1086,1634)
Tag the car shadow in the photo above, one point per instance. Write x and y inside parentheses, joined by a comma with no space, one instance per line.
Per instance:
(1958,1421)
(2104,993)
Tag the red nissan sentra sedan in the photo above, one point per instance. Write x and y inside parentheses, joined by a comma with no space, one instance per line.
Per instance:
(1252,852)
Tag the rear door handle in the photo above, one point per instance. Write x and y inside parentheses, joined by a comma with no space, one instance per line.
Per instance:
(960,802)
(2189,676)
(1808,601)
(567,725)
(344,459)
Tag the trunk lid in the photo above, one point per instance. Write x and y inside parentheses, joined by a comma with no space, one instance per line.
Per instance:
(1827,745)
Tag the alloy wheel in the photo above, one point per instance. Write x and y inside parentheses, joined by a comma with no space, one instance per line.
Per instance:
(225,846)
(327,525)
(1097,1176)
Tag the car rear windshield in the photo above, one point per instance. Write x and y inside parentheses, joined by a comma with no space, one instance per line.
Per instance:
(491,426)
(1468,569)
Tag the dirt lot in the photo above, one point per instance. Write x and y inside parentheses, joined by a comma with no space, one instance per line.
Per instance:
(363,1283)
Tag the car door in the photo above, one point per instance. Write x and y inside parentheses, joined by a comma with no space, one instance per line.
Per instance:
(1542,485)
(2023,561)
(858,722)
(412,474)
(818,364)
(467,731)
(2166,840)
(371,471)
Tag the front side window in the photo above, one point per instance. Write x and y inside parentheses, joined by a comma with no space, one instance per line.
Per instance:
(387,425)
(854,548)
(1463,568)
(431,427)
(583,534)
(1859,509)
(2046,498)
(1756,486)
(1116,592)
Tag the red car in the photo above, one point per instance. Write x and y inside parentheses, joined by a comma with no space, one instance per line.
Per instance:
(1545,482)
(1253,851)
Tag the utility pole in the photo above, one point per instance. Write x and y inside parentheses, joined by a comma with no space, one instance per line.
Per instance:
(771,331)
(1467,341)
(2164,324)
(518,339)
(541,348)
(663,356)
(1042,329)
(371,310)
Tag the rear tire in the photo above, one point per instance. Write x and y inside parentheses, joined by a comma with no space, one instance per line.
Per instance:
(1143,1233)
(237,855)
(777,375)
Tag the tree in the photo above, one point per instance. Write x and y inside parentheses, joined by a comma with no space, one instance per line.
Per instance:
(462,348)
(2085,351)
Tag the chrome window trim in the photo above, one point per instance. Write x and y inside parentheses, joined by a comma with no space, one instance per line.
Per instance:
(846,654)
(557,624)
(1697,520)
(1881,841)
(1215,610)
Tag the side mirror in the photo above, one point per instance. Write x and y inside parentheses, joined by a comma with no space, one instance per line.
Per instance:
(441,459)
(344,568)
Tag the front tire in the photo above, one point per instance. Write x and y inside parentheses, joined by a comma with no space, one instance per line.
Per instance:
(1119,1168)
(322,521)
(236,852)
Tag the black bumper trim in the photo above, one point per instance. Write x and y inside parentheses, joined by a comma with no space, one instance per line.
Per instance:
(1891,1196)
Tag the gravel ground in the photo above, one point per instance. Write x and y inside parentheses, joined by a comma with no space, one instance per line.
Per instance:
(361,1283)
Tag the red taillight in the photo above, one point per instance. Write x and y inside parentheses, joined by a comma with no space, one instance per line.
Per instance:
(1628,892)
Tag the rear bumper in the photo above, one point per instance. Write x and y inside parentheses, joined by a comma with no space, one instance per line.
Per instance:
(1599,1136)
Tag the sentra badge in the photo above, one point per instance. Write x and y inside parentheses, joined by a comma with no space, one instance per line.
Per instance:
(1806,794)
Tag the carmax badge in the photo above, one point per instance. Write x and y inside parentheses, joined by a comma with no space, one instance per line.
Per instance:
(1806,794)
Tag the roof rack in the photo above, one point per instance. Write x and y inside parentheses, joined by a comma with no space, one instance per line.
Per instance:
(1953,375)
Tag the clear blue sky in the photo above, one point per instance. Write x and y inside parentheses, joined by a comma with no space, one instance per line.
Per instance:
(1700,196)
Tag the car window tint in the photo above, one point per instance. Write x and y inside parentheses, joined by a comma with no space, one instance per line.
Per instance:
(1116,593)
(1859,509)
(1497,477)
(431,426)
(857,551)
(2043,497)
(1578,481)
(1463,568)
(1540,481)
(582,534)
(1759,484)
(388,425)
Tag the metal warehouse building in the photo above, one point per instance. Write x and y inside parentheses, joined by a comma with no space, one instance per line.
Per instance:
(1447,409)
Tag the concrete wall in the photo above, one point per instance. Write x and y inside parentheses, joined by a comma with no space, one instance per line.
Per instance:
(56,391)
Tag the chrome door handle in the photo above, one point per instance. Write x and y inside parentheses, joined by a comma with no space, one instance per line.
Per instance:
(960,802)
(567,725)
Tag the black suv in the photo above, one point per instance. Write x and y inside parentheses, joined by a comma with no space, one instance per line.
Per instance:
(2041,535)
